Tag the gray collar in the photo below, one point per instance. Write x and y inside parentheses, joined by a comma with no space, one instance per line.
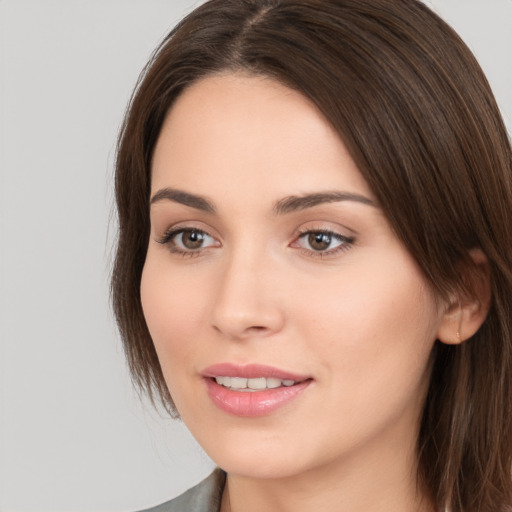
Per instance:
(204,497)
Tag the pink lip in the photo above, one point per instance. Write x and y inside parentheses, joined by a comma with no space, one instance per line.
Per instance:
(252,403)
(250,371)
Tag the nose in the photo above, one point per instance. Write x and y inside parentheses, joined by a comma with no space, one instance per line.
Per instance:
(247,303)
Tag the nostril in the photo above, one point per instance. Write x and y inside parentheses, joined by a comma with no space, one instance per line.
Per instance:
(247,332)
(256,329)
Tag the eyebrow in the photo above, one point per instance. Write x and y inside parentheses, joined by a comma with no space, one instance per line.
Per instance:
(286,205)
(297,203)
(181,197)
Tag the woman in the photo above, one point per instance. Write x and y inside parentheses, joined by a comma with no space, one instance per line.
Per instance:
(314,268)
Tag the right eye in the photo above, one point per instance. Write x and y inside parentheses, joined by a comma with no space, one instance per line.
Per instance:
(188,240)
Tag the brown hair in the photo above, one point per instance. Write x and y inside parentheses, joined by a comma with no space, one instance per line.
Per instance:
(418,117)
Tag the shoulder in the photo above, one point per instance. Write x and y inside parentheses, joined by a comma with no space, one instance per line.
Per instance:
(204,497)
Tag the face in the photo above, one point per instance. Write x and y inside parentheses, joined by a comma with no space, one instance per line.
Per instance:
(293,328)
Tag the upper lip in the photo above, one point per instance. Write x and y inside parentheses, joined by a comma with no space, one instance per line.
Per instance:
(251,371)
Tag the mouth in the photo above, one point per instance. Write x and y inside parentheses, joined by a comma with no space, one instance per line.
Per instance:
(251,385)
(252,390)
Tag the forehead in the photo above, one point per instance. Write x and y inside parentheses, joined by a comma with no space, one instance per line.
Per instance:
(241,132)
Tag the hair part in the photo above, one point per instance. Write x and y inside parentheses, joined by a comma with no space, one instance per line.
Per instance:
(418,117)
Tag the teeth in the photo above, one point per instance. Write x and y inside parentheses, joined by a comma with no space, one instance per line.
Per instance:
(238,383)
(260,383)
(273,383)
(224,381)
(256,384)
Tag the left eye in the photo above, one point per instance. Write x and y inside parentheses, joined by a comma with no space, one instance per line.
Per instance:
(321,241)
(190,239)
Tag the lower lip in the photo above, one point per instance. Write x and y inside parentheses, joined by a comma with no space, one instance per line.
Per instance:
(253,403)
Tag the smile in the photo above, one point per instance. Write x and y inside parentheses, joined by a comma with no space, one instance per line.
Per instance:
(255,384)
(253,390)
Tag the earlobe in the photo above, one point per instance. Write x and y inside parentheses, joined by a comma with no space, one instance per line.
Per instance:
(465,313)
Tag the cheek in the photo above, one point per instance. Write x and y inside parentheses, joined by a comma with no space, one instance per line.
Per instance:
(172,309)
(373,329)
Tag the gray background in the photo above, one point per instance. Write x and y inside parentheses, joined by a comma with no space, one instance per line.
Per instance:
(73,434)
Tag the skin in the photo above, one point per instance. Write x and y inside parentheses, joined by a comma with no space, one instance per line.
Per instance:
(359,318)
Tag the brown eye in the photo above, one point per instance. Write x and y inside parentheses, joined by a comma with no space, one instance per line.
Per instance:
(319,241)
(323,242)
(191,239)
(188,241)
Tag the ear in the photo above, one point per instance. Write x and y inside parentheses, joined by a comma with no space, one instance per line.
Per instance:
(463,315)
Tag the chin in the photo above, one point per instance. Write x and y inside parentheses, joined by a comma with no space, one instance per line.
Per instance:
(259,466)
(259,453)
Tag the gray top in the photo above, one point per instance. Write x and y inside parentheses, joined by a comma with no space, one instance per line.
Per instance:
(204,497)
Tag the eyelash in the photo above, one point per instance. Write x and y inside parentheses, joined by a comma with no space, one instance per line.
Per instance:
(345,242)
(171,234)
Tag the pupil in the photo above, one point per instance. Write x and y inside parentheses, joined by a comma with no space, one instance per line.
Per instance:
(192,239)
(319,241)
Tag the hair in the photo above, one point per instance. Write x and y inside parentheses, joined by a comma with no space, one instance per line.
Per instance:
(418,117)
